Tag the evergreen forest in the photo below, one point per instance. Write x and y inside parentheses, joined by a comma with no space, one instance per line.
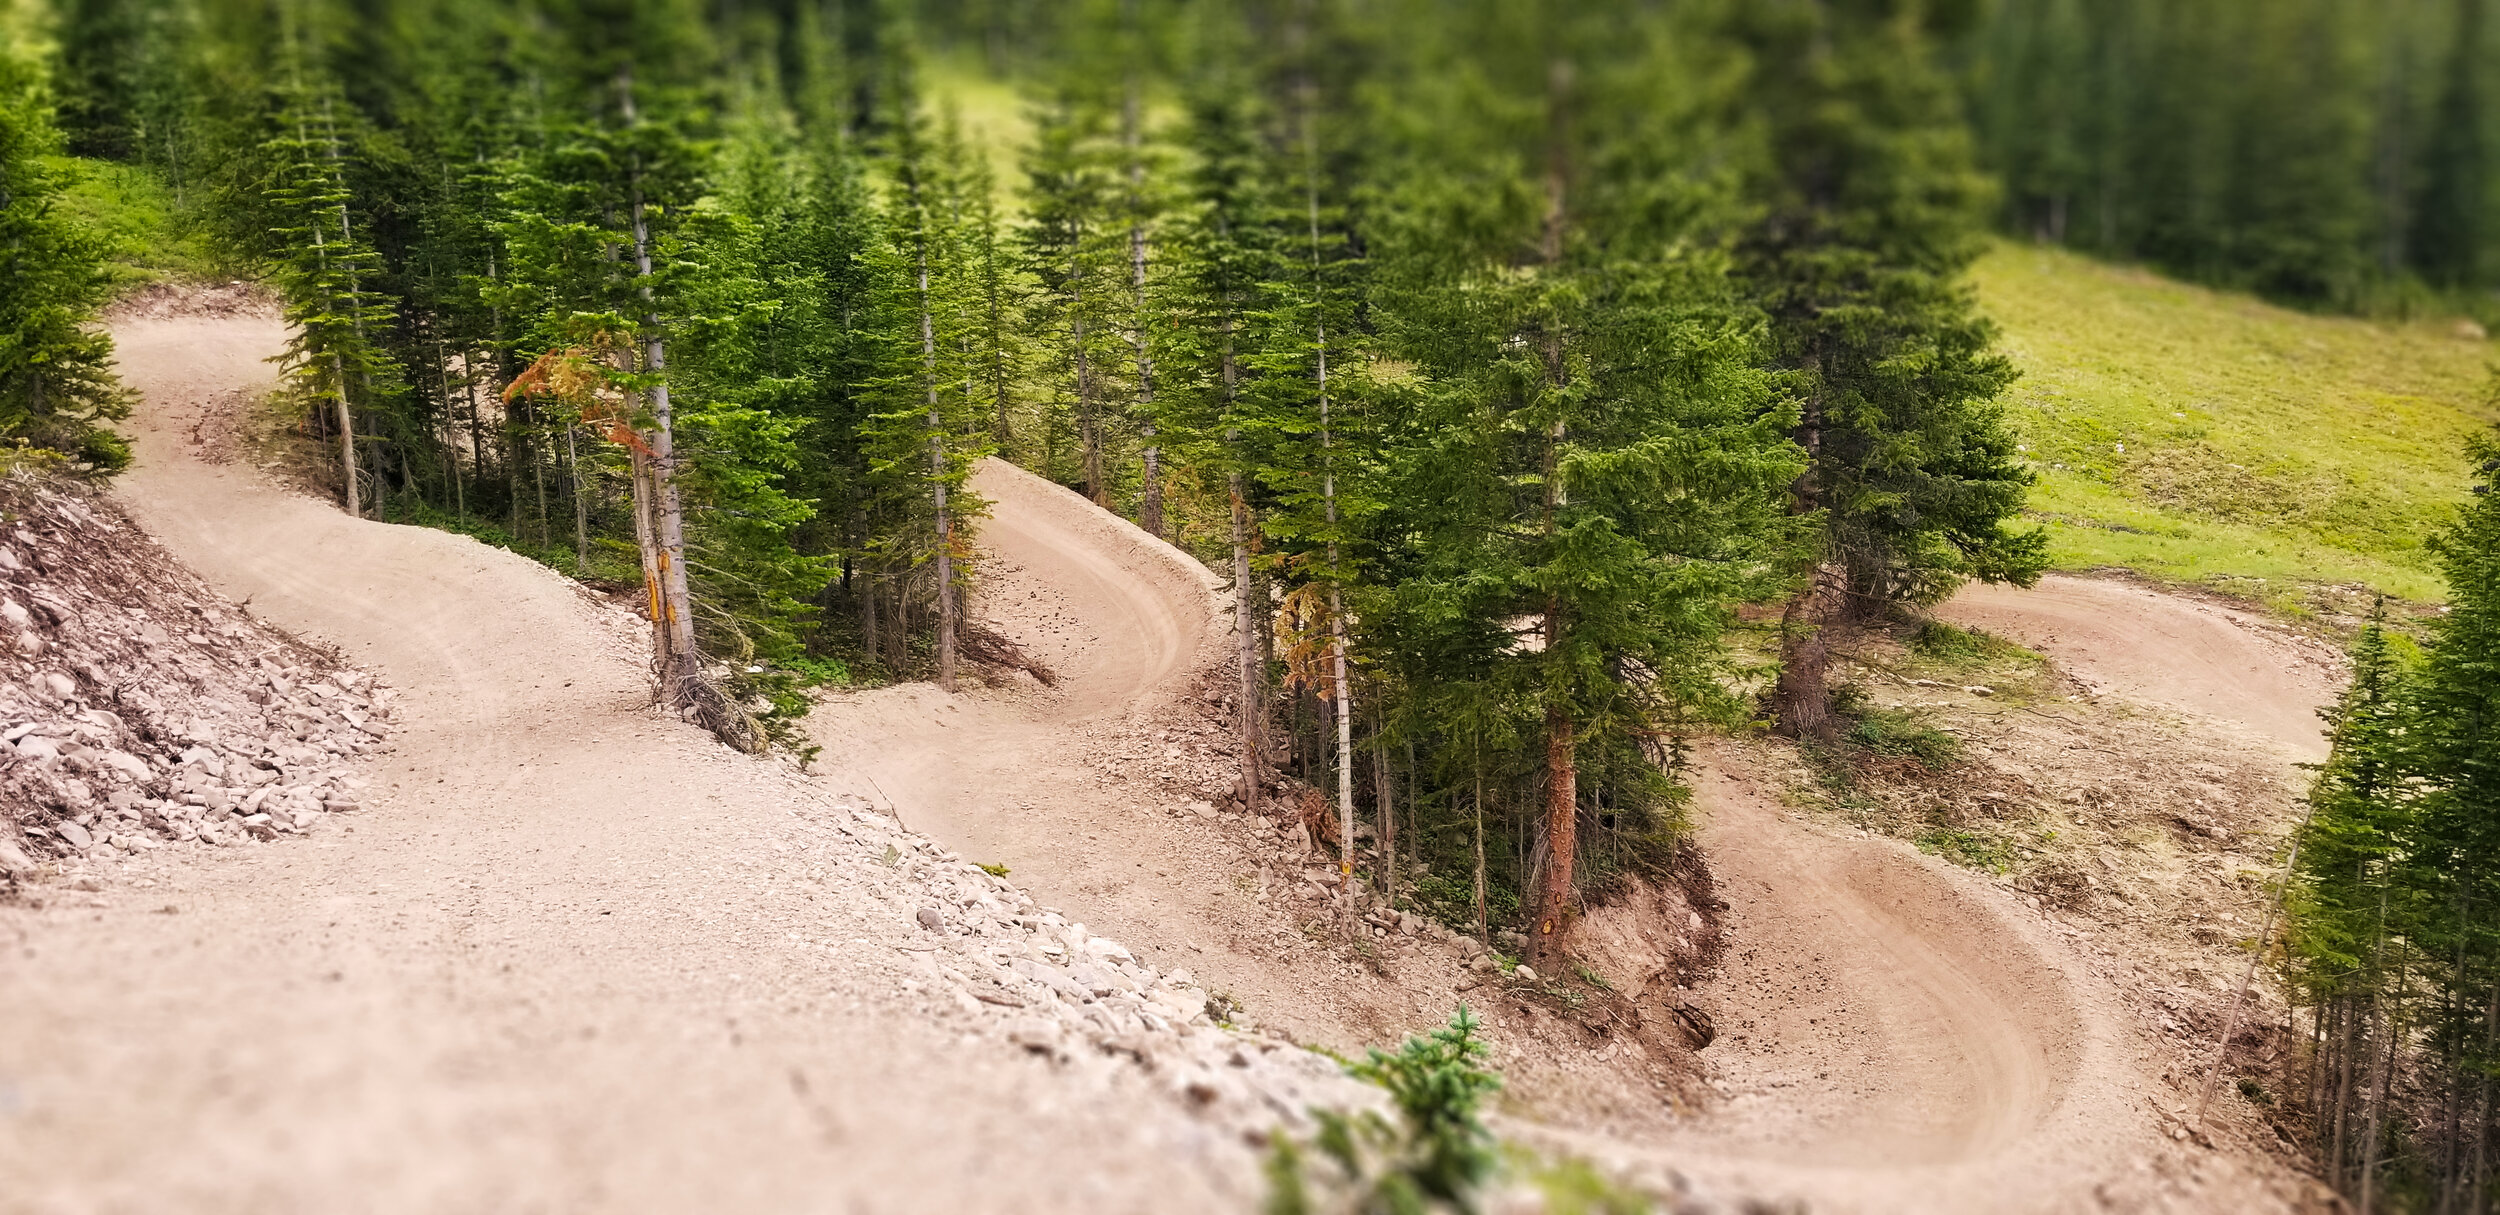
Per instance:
(1552,383)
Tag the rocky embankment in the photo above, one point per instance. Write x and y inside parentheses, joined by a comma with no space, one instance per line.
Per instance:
(141,710)
(979,948)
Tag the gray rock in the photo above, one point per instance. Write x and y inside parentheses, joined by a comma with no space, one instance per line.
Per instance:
(1049,976)
(1093,978)
(130,766)
(13,859)
(930,919)
(78,837)
(1037,1034)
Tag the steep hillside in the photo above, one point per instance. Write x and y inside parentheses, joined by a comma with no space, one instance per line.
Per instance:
(2195,434)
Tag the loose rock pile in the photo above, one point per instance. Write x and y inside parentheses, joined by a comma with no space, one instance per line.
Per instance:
(139,709)
(1049,986)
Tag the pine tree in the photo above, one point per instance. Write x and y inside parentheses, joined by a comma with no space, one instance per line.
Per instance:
(996,298)
(1869,215)
(57,390)
(334,354)
(1223,251)
(2454,215)
(1139,206)
(922,443)
(2395,908)
(1313,456)
(1074,251)
(595,235)
(1588,485)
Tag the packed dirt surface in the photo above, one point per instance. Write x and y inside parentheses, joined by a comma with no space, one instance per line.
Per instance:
(1103,791)
(569,953)
(2143,645)
(1898,1032)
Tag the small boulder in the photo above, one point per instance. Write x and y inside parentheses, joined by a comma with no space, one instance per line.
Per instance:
(1037,1034)
(930,919)
(78,837)
(131,767)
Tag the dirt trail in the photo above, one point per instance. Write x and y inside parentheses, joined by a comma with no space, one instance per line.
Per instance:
(541,975)
(2166,650)
(1895,1033)
(1891,1037)
(1120,619)
(542,970)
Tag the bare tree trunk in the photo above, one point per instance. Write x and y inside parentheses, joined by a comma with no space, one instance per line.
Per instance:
(1800,701)
(538,474)
(1088,421)
(1150,501)
(1483,929)
(669,517)
(1802,704)
(937,478)
(1328,496)
(1344,697)
(477,423)
(581,505)
(347,426)
(1246,649)
(1562,838)
(2378,1108)
(868,613)
(1388,822)
(2342,1091)
(646,541)
(2476,1172)
(898,633)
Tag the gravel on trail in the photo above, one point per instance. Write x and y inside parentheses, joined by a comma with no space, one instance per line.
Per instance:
(566,953)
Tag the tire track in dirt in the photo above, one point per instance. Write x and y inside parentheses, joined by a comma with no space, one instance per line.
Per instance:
(559,964)
(1895,1035)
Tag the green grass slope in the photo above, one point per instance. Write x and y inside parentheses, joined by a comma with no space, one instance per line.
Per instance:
(134,211)
(2199,435)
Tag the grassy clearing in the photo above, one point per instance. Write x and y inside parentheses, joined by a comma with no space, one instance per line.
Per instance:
(2199,435)
(993,117)
(135,212)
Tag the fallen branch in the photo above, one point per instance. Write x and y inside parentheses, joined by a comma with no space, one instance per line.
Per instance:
(982,644)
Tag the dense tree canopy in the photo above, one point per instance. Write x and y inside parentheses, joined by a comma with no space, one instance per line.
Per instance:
(2334,152)
(1497,353)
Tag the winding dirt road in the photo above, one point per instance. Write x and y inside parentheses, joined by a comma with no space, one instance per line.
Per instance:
(2216,662)
(541,976)
(542,973)
(1896,1035)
